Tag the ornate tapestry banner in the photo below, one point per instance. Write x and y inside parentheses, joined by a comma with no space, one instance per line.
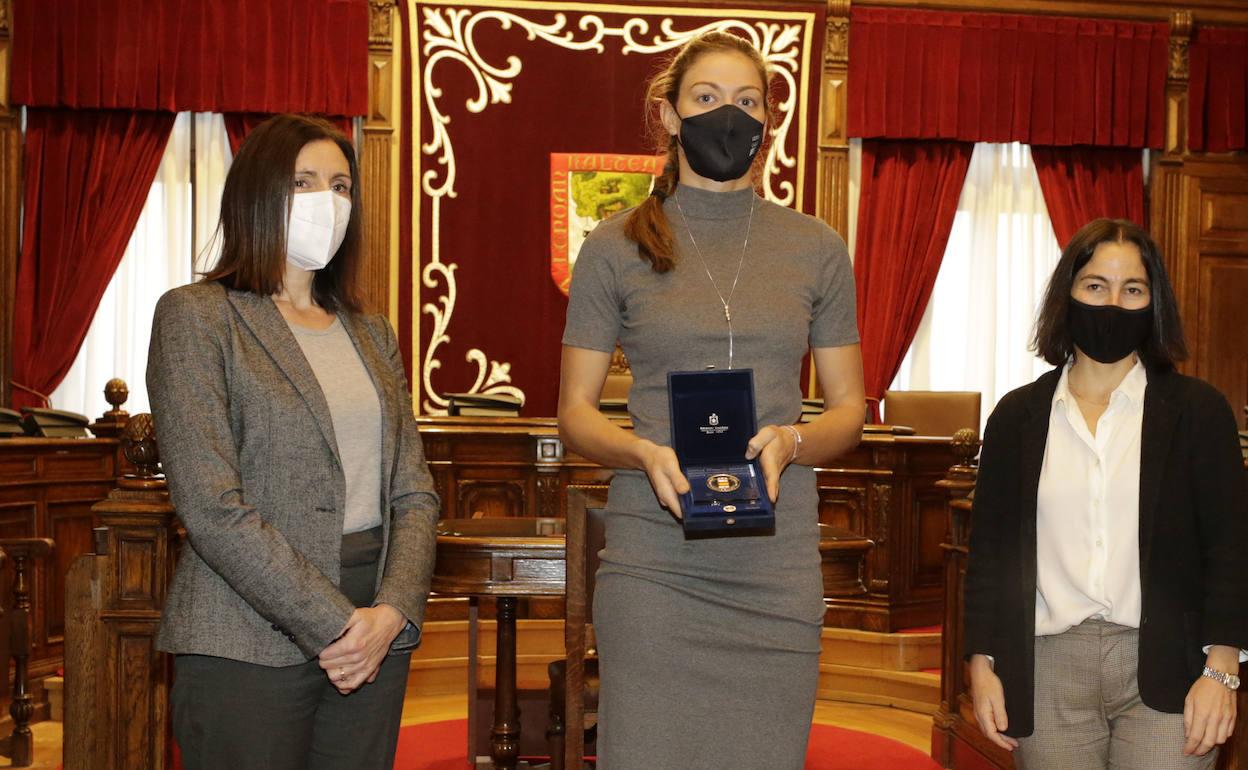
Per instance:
(496,92)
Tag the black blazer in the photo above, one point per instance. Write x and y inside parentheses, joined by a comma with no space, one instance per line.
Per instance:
(1193,535)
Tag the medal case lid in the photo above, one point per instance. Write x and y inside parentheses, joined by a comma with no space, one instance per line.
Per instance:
(712,415)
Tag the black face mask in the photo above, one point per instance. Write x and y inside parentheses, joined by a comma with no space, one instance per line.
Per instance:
(1108,333)
(721,144)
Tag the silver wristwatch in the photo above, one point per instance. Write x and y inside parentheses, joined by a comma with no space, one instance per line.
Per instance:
(1229,681)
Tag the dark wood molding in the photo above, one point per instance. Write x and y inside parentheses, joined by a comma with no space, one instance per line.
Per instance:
(1205,11)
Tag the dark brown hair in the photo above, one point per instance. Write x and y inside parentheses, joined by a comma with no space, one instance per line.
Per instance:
(255,208)
(1163,346)
(647,225)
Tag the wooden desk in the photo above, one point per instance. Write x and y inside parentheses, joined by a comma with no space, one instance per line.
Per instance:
(47,488)
(504,559)
(885,491)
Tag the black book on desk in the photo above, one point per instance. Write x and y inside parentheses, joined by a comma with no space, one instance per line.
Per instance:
(11,423)
(54,423)
(483,405)
(614,408)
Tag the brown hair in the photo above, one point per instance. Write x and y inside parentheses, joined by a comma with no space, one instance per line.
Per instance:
(1163,346)
(647,225)
(255,209)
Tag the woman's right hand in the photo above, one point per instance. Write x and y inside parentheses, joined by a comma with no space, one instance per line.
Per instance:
(663,470)
(988,696)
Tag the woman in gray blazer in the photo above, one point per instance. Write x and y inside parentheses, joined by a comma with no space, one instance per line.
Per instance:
(293,460)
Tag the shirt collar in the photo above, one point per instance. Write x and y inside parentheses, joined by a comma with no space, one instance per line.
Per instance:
(1131,388)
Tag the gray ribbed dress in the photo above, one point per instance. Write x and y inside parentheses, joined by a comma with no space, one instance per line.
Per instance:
(709,649)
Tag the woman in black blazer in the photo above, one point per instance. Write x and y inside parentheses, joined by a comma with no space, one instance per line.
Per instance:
(1106,595)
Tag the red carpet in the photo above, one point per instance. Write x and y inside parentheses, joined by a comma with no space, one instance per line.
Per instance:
(441,745)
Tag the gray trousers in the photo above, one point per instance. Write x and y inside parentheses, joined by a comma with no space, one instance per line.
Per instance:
(1088,712)
(228,714)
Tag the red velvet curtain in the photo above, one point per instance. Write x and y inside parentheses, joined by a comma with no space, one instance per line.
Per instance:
(239,125)
(1218,90)
(974,77)
(909,196)
(87,177)
(236,56)
(1083,183)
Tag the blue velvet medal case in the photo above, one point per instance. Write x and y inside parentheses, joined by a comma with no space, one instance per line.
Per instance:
(713,419)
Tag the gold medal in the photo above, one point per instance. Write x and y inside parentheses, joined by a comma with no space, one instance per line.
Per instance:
(723,482)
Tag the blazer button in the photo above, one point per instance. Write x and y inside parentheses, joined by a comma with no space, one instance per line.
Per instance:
(291,637)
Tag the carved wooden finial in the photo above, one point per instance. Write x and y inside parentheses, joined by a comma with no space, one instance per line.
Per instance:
(139,441)
(116,391)
(113,422)
(966,446)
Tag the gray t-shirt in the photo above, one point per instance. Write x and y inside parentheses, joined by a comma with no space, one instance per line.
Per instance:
(796,291)
(356,413)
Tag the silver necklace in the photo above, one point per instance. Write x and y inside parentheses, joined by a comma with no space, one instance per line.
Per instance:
(727,303)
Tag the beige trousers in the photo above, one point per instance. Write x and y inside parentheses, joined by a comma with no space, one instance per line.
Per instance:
(1088,713)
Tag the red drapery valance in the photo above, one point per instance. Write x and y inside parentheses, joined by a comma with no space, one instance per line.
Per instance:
(1083,183)
(87,177)
(910,194)
(236,56)
(1218,90)
(974,77)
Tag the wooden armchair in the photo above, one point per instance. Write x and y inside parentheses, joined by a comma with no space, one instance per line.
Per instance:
(574,680)
(18,746)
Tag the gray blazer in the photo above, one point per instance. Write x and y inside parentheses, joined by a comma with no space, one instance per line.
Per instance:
(248,449)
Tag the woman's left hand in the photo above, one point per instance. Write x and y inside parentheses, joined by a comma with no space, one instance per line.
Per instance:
(356,656)
(773,446)
(1208,716)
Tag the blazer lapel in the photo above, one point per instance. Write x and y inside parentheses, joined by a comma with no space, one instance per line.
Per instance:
(377,366)
(274,335)
(1160,419)
(1033,436)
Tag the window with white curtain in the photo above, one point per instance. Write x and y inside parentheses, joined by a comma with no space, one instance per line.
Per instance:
(176,222)
(1001,252)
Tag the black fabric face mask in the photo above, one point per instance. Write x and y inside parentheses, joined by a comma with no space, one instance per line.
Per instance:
(1108,333)
(721,144)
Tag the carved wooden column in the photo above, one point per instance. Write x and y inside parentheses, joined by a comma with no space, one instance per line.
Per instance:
(379,156)
(116,682)
(833,187)
(1166,177)
(10,206)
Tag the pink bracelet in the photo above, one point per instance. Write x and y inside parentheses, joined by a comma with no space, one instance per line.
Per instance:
(797,441)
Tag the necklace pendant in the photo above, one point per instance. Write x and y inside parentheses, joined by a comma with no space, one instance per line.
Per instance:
(727,314)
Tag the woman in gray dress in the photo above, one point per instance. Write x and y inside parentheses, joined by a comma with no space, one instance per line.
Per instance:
(709,648)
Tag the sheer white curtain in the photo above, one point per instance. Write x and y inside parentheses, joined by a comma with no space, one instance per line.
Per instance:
(212,161)
(159,257)
(978,324)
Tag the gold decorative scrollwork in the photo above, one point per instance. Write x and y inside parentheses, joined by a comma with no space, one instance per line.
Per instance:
(447,34)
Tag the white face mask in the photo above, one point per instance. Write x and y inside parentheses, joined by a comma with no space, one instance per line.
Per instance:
(318,224)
